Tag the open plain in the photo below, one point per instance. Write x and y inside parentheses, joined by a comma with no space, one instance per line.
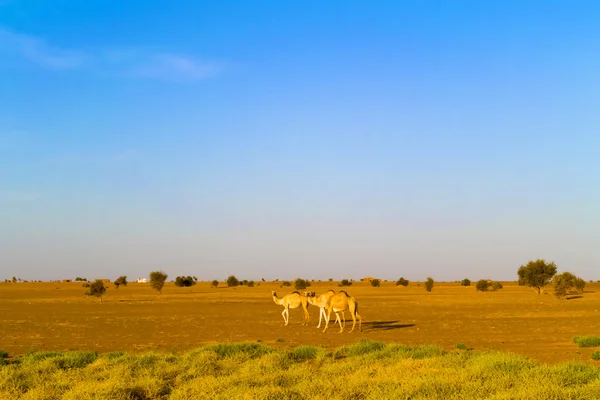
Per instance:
(58,316)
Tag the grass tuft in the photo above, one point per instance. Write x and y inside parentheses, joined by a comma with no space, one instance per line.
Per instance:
(461,346)
(596,355)
(587,341)
(303,353)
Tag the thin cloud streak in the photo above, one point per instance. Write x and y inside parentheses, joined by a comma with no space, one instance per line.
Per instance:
(132,62)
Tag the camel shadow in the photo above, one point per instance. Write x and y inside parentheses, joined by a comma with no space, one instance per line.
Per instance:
(384,325)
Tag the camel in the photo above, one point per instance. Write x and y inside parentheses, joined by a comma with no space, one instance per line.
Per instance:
(340,303)
(293,300)
(321,302)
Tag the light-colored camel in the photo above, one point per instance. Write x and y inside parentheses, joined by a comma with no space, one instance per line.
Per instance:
(293,300)
(340,303)
(321,302)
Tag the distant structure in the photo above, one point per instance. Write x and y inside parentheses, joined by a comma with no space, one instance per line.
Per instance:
(66,281)
(142,280)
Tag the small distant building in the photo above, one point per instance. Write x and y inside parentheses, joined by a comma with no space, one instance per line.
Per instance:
(142,280)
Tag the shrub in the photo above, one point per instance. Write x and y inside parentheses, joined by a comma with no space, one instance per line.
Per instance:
(96,289)
(184,281)
(465,282)
(157,280)
(564,283)
(536,274)
(376,282)
(302,353)
(429,284)
(286,283)
(251,284)
(122,280)
(461,346)
(214,283)
(482,285)
(345,282)
(496,286)
(244,282)
(232,281)
(301,284)
(587,341)
(596,355)
(402,282)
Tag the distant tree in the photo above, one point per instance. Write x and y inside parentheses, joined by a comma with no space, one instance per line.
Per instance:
(97,289)
(465,282)
(402,282)
(330,279)
(429,284)
(245,282)
(184,281)
(232,281)
(214,283)
(565,283)
(496,286)
(250,284)
(14,279)
(122,280)
(345,282)
(376,282)
(301,284)
(536,274)
(157,280)
(286,283)
(195,279)
(482,285)
(262,279)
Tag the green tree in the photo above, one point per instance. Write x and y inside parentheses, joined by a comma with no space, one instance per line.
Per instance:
(376,282)
(345,282)
(496,286)
(482,285)
(184,281)
(232,281)
(301,284)
(429,284)
(565,283)
(157,280)
(465,282)
(96,289)
(402,282)
(536,274)
(214,283)
(122,280)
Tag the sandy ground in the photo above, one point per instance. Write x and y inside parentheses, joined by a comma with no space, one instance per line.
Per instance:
(57,316)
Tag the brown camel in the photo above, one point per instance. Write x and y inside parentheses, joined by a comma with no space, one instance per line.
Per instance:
(321,302)
(293,300)
(340,303)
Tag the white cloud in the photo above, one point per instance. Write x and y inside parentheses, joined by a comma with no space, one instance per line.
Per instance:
(37,51)
(136,62)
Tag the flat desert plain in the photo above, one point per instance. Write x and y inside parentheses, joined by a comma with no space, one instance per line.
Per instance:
(58,316)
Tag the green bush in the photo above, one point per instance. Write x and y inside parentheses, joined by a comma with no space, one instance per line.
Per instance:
(565,283)
(345,282)
(482,285)
(402,282)
(301,284)
(157,280)
(596,355)
(465,282)
(461,346)
(250,284)
(232,281)
(214,283)
(184,281)
(587,341)
(429,284)
(496,286)
(120,281)
(302,353)
(96,289)
(286,283)
(376,282)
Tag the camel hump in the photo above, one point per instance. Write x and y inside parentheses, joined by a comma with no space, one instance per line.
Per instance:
(295,291)
(346,293)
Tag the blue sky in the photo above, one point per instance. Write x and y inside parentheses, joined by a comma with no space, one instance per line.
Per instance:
(284,139)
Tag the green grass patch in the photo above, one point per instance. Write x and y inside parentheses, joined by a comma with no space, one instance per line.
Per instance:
(461,346)
(596,355)
(587,341)
(364,370)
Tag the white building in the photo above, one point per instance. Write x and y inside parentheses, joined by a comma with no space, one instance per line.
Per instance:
(142,280)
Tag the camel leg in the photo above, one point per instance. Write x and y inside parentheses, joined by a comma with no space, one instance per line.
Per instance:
(306,314)
(286,315)
(354,321)
(321,313)
(327,319)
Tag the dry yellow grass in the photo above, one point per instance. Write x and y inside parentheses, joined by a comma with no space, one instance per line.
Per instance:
(57,316)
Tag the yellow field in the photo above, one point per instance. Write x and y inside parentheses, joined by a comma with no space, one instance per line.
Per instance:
(57,316)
